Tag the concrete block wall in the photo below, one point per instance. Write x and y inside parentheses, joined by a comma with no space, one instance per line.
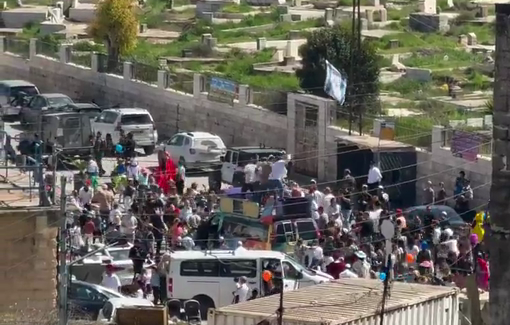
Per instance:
(28,259)
(441,166)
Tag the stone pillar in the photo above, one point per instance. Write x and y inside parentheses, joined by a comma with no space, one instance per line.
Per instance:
(463,40)
(65,53)
(437,137)
(244,95)
(204,38)
(162,79)
(128,70)
(369,15)
(383,15)
(33,48)
(208,16)
(291,123)
(261,43)
(94,62)
(483,11)
(328,14)
(296,3)
(322,125)
(3,44)
(143,28)
(471,39)
(197,85)
(364,23)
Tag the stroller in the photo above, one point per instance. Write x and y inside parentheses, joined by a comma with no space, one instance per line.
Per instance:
(175,310)
(192,312)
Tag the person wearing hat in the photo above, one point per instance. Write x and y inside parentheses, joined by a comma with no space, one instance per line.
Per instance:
(110,279)
(361,267)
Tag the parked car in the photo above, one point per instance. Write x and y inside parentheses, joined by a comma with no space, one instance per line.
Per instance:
(108,313)
(40,104)
(137,121)
(87,299)
(452,219)
(236,158)
(195,149)
(89,109)
(14,94)
(118,256)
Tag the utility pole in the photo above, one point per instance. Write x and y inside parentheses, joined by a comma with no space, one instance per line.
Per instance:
(280,309)
(350,84)
(388,231)
(63,276)
(499,236)
(177,119)
(360,108)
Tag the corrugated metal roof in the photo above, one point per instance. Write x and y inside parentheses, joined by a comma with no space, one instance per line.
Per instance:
(340,301)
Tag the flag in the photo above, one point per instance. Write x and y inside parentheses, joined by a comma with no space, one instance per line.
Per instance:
(335,84)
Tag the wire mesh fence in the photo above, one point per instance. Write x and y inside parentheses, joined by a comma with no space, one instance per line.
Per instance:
(181,82)
(18,46)
(145,72)
(81,58)
(51,50)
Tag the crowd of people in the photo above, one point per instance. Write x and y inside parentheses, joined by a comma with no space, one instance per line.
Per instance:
(157,213)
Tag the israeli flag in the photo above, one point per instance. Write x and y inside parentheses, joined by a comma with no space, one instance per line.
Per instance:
(335,84)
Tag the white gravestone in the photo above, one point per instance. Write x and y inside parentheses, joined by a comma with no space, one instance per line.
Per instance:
(429,7)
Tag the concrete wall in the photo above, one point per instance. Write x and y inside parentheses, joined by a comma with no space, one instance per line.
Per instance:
(441,166)
(28,259)
(241,124)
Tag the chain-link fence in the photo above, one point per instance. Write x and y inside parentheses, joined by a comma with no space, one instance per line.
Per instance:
(81,58)
(145,72)
(18,46)
(51,50)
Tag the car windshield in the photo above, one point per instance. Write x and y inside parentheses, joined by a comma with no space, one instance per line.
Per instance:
(306,230)
(298,266)
(27,90)
(110,293)
(59,101)
(119,254)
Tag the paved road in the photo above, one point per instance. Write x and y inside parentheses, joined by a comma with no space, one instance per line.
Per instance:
(15,176)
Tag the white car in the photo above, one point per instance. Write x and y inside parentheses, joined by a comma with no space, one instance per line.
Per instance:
(137,121)
(195,149)
(118,256)
(108,313)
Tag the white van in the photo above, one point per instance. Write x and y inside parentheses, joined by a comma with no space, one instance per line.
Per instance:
(208,276)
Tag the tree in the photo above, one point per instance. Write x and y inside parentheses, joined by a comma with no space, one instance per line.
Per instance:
(334,44)
(116,26)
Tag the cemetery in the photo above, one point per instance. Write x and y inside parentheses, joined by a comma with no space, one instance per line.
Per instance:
(434,55)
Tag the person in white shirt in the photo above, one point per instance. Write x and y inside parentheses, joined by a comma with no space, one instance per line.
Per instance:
(114,213)
(375,216)
(333,209)
(315,255)
(250,176)
(317,195)
(374,178)
(128,225)
(133,169)
(85,195)
(186,212)
(315,210)
(347,273)
(326,201)
(242,292)
(72,203)
(110,279)
(278,173)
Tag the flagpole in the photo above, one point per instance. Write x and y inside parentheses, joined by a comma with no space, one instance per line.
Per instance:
(351,68)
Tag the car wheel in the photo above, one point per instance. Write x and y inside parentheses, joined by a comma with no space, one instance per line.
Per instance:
(205,303)
(149,150)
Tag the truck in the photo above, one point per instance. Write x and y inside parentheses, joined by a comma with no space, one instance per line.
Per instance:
(348,302)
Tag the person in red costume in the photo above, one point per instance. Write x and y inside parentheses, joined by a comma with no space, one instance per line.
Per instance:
(167,172)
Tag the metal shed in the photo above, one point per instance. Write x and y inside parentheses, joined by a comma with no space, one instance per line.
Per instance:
(348,302)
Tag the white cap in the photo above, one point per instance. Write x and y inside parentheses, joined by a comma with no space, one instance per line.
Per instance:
(448,232)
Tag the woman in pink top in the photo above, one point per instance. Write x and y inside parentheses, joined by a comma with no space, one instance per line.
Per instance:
(177,231)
